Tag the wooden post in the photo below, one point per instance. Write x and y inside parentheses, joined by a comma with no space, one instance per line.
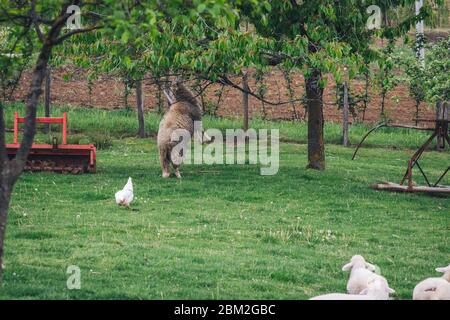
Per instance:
(245,99)
(140,109)
(441,114)
(47,97)
(345,114)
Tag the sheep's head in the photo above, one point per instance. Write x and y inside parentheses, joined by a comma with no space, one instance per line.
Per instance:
(176,91)
(358,261)
(445,271)
(378,288)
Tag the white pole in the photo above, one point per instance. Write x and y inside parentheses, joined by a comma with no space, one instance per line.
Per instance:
(419,34)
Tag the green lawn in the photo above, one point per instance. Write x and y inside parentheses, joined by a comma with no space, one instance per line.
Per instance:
(101,126)
(223,232)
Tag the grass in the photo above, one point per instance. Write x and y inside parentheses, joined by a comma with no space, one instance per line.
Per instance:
(223,231)
(100,126)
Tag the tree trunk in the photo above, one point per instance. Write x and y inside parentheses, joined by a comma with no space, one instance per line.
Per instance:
(159,97)
(11,170)
(345,113)
(48,81)
(366,96)
(34,93)
(417,111)
(126,92)
(288,80)
(5,193)
(202,100)
(5,196)
(263,110)
(245,100)
(140,109)
(316,147)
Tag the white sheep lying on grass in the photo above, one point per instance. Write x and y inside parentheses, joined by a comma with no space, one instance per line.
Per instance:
(360,274)
(377,289)
(434,288)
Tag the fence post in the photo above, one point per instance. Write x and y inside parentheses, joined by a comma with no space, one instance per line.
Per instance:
(245,99)
(441,114)
(140,108)
(345,114)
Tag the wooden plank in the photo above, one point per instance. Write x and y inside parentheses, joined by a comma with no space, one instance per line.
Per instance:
(389,186)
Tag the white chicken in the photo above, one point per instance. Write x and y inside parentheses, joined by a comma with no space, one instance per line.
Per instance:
(125,196)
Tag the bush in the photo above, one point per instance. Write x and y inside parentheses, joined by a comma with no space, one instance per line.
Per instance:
(101,140)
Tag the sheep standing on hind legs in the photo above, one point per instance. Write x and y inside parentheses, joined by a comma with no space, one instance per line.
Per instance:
(184,110)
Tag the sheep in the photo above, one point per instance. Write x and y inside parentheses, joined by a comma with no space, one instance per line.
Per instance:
(434,288)
(376,290)
(361,272)
(184,110)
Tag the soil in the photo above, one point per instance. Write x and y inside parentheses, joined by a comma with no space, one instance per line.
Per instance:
(109,93)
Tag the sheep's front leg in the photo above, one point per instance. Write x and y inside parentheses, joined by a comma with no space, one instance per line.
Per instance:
(177,171)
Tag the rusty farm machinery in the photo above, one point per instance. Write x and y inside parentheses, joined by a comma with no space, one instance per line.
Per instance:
(440,132)
(55,157)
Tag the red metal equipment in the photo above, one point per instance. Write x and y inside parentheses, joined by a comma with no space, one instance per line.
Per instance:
(65,158)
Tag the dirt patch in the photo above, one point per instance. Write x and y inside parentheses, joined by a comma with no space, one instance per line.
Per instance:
(109,93)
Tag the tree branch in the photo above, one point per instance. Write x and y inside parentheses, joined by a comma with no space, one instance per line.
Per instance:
(35,91)
(75,32)
(226,81)
(35,22)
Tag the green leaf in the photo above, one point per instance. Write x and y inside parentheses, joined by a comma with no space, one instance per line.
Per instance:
(125,36)
(201,8)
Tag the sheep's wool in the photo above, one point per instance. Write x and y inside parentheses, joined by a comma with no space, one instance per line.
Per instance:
(181,115)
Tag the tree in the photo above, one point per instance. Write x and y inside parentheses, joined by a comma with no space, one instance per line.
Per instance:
(436,82)
(386,77)
(155,41)
(414,77)
(41,27)
(321,37)
(140,109)
(427,81)
(155,35)
(196,38)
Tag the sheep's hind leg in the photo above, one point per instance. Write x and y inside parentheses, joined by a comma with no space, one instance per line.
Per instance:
(165,166)
(176,160)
